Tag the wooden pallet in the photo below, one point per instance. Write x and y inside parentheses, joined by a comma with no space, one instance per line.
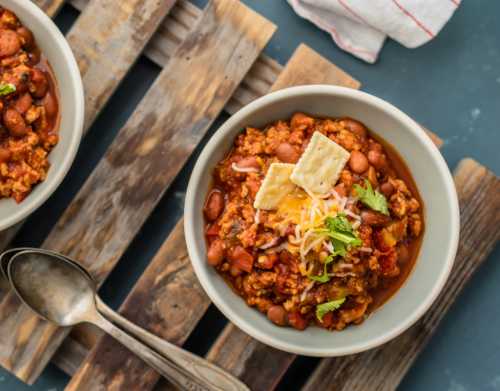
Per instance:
(212,61)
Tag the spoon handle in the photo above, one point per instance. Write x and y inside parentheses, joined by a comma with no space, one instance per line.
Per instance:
(198,368)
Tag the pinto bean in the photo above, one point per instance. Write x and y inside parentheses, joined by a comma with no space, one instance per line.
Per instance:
(50,104)
(39,84)
(23,103)
(371,217)
(214,205)
(355,127)
(377,159)
(297,321)
(26,35)
(14,122)
(5,155)
(287,153)
(277,315)
(10,43)
(215,253)
(358,162)
(248,162)
(387,188)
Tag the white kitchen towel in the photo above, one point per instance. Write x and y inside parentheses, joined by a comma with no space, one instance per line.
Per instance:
(361,26)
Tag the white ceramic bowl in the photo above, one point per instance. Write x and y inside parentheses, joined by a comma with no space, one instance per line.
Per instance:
(71,105)
(431,175)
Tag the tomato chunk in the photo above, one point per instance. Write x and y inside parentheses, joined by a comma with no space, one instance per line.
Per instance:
(241,259)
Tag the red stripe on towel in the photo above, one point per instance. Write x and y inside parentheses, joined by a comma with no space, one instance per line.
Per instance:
(412,17)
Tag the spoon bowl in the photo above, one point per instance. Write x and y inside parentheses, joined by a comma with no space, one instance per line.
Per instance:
(52,286)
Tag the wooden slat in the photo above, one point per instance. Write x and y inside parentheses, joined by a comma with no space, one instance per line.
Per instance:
(107,39)
(308,67)
(140,164)
(51,7)
(384,368)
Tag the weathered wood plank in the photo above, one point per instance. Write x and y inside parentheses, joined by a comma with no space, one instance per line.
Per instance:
(51,7)
(140,164)
(384,368)
(103,63)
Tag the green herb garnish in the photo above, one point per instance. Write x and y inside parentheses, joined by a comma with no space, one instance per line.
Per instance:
(6,89)
(372,198)
(323,277)
(323,309)
(341,234)
(340,230)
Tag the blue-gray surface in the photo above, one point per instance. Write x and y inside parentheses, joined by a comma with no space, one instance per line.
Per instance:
(451,85)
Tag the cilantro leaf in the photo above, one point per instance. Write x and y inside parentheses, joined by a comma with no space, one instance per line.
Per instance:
(323,277)
(338,223)
(340,231)
(372,198)
(6,89)
(323,309)
(339,248)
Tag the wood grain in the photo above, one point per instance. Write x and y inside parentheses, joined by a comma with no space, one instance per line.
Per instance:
(50,7)
(140,164)
(384,368)
(94,39)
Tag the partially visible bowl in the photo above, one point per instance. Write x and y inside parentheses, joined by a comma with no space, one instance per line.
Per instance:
(432,178)
(71,106)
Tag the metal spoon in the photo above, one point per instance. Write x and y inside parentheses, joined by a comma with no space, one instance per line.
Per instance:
(61,291)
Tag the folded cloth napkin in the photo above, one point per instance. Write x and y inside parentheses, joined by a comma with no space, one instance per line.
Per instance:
(361,26)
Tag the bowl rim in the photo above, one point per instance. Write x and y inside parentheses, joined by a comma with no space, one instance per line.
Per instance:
(190,210)
(28,205)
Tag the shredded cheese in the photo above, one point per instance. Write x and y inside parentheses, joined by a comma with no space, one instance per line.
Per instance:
(243,169)
(257,217)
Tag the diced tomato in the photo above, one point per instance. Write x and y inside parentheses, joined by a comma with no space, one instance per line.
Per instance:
(384,240)
(241,259)
(327,320)
(296,320)
(388,263)
(212,230)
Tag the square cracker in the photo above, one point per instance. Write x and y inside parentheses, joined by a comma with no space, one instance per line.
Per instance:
(275,187)
(319,167)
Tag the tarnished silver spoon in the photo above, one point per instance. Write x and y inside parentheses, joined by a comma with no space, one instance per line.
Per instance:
(63,292)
